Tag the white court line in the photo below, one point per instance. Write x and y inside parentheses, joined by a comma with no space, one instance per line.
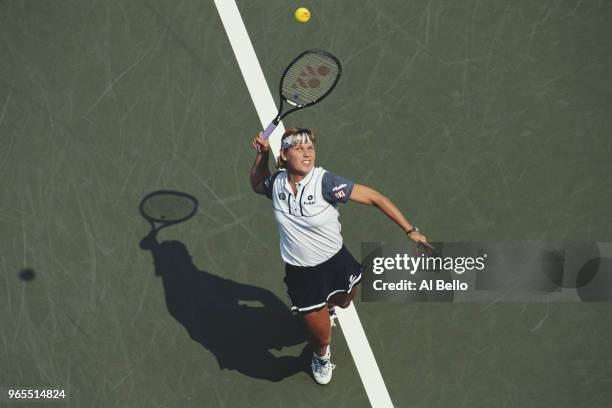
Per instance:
(363,356)
(266,109)
(250,68)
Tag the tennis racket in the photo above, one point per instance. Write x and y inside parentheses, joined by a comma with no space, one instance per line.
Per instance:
(164,208)
(426,248)
(308,79)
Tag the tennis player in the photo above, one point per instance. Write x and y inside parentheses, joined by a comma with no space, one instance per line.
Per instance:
(320,273)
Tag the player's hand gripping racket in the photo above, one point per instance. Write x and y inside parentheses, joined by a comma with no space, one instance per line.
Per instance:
(309,78)
(164,208)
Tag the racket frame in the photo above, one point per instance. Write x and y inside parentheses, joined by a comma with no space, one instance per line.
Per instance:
(163,223)
(280,115)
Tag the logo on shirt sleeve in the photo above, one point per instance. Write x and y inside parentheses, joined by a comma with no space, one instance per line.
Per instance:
(282,196)
(339,191)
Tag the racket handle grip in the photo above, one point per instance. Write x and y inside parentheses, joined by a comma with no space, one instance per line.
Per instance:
(269,130)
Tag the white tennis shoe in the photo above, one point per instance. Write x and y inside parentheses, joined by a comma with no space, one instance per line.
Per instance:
(322,367)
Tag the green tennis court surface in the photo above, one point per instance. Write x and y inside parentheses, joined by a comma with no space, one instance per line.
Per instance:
(482,121)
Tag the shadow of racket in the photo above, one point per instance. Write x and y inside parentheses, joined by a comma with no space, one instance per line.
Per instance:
(164,208)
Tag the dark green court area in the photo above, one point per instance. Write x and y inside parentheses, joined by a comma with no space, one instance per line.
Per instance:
(481,120)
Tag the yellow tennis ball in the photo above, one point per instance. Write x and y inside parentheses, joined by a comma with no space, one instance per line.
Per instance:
(302,15)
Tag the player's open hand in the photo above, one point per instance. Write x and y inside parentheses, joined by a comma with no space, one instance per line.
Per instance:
(260,144)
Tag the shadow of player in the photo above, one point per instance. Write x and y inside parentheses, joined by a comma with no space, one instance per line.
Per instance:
(208,306)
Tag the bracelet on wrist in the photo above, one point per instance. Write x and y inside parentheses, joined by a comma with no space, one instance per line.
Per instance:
(411,230)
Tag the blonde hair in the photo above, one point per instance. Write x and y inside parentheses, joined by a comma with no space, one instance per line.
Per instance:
(280,163)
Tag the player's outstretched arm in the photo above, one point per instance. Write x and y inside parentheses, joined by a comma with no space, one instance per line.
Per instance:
(260,170)
(365,195)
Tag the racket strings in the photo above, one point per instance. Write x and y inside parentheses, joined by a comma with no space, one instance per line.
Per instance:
(308,86)
(310,78)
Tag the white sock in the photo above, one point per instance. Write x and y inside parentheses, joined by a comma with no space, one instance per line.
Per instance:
(327,354)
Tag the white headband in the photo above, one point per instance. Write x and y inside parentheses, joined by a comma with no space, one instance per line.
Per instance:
(298,138)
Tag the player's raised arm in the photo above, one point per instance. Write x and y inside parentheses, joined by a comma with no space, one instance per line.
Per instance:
(260,169)
(365,195)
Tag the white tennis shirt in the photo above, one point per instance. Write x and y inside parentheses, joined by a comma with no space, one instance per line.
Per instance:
(308,220)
